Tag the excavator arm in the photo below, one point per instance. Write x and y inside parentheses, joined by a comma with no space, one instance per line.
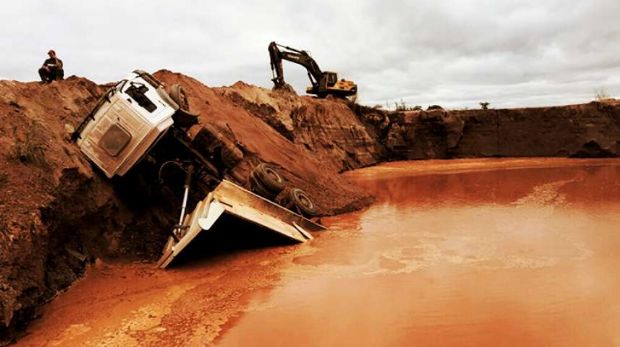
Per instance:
(323,83)
(293,55)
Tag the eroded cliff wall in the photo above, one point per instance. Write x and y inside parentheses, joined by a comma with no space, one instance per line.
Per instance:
(588,130)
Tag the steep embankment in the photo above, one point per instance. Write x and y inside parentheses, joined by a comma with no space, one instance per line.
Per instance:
(327,128)
(57,213)
(37,168)
(351,136)
(588,130)
(310,170)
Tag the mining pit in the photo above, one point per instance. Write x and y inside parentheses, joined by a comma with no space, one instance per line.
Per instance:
(464,251)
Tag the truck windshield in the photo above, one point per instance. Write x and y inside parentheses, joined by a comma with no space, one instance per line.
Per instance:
(137,92)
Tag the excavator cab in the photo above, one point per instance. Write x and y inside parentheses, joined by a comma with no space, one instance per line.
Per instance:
(330,85)
(330,78)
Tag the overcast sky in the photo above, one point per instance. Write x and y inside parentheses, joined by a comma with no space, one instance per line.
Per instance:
(455,53)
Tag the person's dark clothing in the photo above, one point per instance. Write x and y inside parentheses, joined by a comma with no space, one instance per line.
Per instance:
(51,70)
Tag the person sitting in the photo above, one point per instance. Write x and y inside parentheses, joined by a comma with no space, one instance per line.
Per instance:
(51,69)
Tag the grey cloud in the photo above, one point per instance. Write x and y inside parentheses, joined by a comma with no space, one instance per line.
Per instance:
(450,52)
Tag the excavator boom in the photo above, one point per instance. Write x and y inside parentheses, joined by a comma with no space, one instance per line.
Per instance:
(323,82)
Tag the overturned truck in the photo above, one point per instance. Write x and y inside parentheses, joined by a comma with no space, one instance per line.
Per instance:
(138,122)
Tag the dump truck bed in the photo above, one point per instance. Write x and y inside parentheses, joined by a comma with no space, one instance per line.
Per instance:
(229,198)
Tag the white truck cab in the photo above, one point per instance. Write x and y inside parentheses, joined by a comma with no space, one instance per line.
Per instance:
(126,123)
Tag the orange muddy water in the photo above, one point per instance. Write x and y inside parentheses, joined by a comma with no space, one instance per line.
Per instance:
(452,253)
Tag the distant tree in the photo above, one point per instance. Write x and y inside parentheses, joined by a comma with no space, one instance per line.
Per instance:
(402,106)
(434,107)
(485,105)
(600,94)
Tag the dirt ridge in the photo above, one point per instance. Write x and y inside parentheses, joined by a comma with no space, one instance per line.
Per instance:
(585,130)
(57,213)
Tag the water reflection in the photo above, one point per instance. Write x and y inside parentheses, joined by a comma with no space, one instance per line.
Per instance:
(469,257)
(584,184)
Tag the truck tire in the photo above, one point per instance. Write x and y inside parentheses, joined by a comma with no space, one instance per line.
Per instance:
(182,117)
(177,93)
(258,188)
(269,178)
(302,201)
(284,199)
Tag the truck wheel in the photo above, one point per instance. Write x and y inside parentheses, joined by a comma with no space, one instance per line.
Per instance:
(177,93)
(259,189)
(269,178)
(303,202)
(284,199)
(182,117)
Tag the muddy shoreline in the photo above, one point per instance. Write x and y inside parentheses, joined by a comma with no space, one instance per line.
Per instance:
(58,214)
(421,251)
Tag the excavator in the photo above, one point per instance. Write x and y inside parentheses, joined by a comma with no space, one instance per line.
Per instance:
(323,82)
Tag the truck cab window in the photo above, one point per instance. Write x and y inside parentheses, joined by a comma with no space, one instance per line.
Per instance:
(137,92)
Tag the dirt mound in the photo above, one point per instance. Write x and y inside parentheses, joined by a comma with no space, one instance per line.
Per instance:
(327,128)
(262,130)
(58,213)
(34,160)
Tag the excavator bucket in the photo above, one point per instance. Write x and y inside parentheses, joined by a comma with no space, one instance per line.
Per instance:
(229,198)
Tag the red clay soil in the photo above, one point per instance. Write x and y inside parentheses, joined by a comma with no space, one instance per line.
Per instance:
(587,130)
(304,167)
(57,213)
(36,159)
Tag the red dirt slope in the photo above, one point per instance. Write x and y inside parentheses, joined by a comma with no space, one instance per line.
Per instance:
(57,213)
(312,171)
